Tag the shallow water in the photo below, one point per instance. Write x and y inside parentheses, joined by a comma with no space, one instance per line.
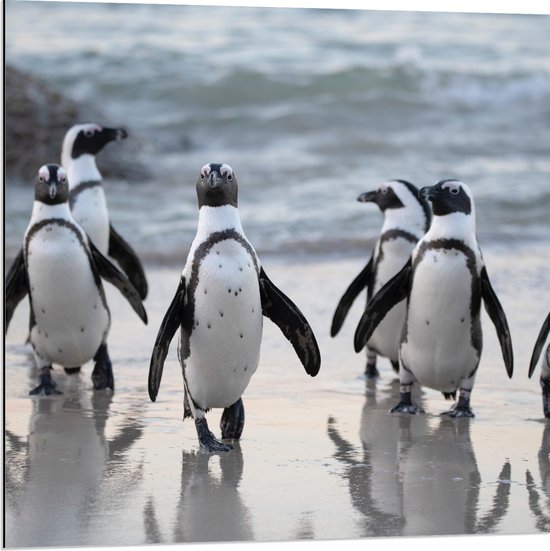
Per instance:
(319,458)
(309,107)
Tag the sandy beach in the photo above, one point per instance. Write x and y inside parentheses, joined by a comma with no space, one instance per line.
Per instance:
(320,458)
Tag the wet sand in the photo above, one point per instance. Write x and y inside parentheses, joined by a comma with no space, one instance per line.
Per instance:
(319,458)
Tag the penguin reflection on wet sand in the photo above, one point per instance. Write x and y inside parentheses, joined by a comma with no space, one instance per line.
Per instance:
(406,219)
(87,200)
(545,368)
(443,284)
(61,271)
(219,305)
(429,482)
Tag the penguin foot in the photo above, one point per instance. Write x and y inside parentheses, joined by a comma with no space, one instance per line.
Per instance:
(72,370)
(413,409)
(207,440)
(459,411)
(371,371)
(102,375)
(462,407)
(406,405)
(47,385)
(232,421)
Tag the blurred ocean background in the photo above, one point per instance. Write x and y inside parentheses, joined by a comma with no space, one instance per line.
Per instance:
(310,107)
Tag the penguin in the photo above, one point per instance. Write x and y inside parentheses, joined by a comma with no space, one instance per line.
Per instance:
(81,144)
(61,270)
(545,370)
(443,283)
(406,219)
(222,296)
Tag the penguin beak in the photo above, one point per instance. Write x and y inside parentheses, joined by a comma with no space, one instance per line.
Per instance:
(112,134)
(215,180)
(428,193)
(53,189)
(368,197)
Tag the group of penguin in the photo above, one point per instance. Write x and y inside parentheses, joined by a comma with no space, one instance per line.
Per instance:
(425,282)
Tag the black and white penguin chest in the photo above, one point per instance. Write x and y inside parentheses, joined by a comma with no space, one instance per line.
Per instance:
(222,351)
(442,336)
(68,302)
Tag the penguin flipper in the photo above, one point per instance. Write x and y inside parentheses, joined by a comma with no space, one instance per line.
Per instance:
(285,314)
(109,272)
(393,292)
(356,286)
(126,257)
(498,317)
(172,320)
(541,339)
(17,286)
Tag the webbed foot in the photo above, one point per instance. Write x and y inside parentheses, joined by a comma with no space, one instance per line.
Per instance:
(402,407)
(102,375)
(406,405)
(459,411)
(462,407)
(47,385)
(207,440)
(232,421)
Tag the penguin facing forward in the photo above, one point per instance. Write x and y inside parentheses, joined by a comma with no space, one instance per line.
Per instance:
(81,144)
(545,368)
(443,283)
(406,219)
(218,307)
(61,271)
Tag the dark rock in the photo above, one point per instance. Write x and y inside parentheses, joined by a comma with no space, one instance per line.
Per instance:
(36,119)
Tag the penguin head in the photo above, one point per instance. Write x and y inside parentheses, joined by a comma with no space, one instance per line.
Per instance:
(217,186)
(51,185)
(400,199)
(88,139)
(448,197)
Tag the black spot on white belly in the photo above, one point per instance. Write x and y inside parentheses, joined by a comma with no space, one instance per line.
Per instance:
(209,326)
(82,329)
(221,314)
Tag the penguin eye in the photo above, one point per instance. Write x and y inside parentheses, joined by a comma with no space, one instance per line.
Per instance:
(227,172)
(452,186)
(88,133)
(205,171)
(383,190)
(41,179)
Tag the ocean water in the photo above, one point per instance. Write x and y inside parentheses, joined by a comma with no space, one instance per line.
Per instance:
(309,107)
